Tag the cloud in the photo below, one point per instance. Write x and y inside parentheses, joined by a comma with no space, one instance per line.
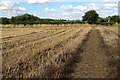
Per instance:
(19,8)
(106,9)
(76,12)
(37,1)
(107,0)
(70,7)
(110,0)
(66,7)
(103,9)
(104,6)
(49,10)
(93,6)
(111,5)
(11,7)
(73,13)
(3,8)
(65,14)
(106,13)
(5,5)
(80,8)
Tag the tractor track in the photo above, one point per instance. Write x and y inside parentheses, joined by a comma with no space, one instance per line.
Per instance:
(90,60)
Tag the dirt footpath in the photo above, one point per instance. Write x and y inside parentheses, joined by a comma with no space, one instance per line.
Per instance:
(93,63)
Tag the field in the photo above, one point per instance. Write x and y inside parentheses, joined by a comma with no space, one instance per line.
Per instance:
(64,51)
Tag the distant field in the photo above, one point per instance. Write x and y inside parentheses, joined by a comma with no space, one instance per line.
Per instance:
(77,51)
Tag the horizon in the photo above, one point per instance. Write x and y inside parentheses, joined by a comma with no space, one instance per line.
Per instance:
(52,18)
(58,9)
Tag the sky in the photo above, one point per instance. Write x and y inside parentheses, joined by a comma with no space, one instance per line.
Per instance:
(58,9)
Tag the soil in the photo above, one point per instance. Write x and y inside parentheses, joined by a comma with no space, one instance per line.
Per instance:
(93,62)
(79,58)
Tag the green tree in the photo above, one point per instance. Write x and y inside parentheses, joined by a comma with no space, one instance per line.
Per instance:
(5,20)
(91,17)
(100,20)
(24,19)
(115,19)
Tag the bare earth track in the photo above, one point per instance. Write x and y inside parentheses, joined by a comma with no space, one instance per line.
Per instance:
(93,63)
(69,52)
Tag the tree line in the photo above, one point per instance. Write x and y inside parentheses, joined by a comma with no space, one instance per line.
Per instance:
(90,17)
(31,19)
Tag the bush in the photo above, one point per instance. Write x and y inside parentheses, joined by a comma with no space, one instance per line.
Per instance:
(106,23)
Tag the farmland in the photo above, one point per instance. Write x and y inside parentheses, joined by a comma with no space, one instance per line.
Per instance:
(60,51)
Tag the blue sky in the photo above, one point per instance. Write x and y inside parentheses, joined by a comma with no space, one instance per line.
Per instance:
(56,9)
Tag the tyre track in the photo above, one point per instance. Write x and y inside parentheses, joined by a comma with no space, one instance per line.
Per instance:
(92,61)
(112,44)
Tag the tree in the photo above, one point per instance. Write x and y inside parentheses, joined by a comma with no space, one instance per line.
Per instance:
(100,20)
(91,17)
(5,20)
(24,19)
(115,19)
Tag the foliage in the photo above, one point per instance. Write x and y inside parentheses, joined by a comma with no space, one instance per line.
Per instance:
(115,18)
(106,23)
(24,19)
(91,17)
(4,20)
(30,19)
(100,20)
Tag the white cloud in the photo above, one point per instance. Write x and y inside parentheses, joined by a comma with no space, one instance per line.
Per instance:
(19,8)
(105,9)
(76,12)
(110,0)
(106,13)
(111,5)
(80,8)
(93,6)
(8,3)
(104,6)
(37,1)
(47,9)
(107,0)
(70,7)
(11,7)
(3,7)
(65,14)
(72,13)
(66,7)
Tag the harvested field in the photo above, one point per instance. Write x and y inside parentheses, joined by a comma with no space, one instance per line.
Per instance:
(72,51)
